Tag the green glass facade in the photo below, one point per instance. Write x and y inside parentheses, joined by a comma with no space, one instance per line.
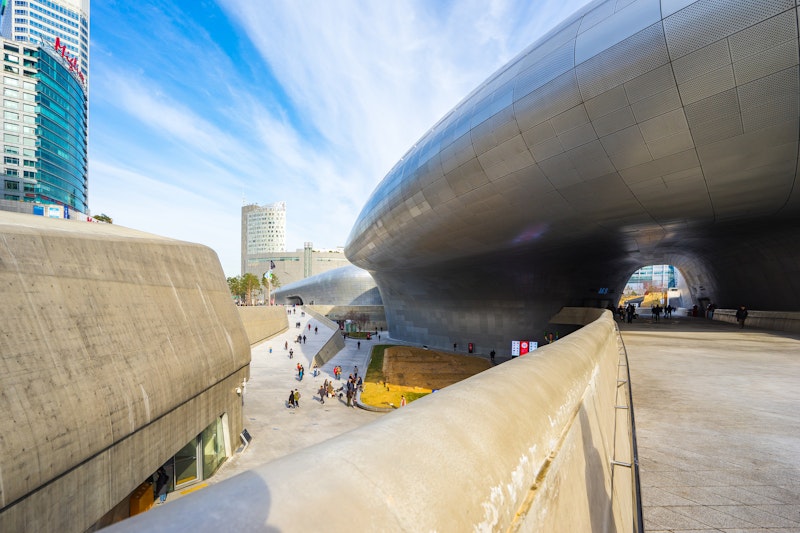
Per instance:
(62,125)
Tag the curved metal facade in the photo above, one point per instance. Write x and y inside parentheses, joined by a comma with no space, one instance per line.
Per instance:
(636,132)
(347,285)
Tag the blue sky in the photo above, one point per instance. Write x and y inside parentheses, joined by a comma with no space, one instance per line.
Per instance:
(197,105)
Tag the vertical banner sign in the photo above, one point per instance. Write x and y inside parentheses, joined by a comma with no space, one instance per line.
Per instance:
(522,347)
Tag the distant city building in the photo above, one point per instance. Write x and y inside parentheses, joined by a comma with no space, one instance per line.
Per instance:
(294,266)
(659,277)
(45,106)
(263,231)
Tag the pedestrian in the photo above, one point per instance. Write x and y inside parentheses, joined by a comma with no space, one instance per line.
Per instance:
(355,372)
(315,330)
(309,326)
(270,349)
(291,353)
(162,478)
(360,384)
(741,315)
(296,398)
(630,311)
(455,345)
(379,336)
(403,401)
(291,399)
(304,339)
(491,356)
(322,392)
(286,345)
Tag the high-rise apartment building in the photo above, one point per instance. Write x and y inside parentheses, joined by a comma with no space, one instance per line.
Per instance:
(45,103)
(263,231)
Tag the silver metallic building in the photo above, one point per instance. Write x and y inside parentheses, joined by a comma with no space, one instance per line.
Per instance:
(636,132)
(343,286)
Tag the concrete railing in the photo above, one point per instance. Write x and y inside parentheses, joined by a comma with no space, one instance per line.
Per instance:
(775,320)
(334,344)
(527,445)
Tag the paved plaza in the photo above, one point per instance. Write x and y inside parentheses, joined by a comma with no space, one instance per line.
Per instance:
(716,416)
(717,424)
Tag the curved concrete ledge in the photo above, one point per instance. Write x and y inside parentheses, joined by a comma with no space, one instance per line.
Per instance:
(775,320)
(526,445)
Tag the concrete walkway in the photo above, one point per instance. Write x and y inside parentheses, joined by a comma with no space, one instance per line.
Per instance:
(718,423)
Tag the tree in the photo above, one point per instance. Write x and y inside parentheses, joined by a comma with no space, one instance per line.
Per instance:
(249,284)
(236,287)
(102,217)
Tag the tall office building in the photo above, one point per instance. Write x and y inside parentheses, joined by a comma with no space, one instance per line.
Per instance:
(45,104)
(263,232)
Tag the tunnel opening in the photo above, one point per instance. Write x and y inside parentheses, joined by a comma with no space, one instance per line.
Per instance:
(651,285)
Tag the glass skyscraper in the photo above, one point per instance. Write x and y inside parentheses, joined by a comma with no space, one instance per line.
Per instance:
(45,102)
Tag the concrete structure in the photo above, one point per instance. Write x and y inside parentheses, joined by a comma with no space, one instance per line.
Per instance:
(119,350)
(635,133)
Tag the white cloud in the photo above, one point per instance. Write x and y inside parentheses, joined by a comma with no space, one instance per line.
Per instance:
(356,85)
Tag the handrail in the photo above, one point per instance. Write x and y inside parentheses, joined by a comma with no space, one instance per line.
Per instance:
(636,491)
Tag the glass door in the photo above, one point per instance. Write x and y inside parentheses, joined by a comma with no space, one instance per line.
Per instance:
(186,465)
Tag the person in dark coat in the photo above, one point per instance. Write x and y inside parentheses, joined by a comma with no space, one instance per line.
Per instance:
(162,480)
(741,315)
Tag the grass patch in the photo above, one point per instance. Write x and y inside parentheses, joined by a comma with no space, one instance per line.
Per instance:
(376,393)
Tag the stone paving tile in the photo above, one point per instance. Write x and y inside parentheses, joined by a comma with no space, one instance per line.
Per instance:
(714,517)
(743,495)
(753,515)
(669,519)
(658,497)
(790,512)
(701,495)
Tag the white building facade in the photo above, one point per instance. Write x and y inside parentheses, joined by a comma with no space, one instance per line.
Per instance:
(263,230)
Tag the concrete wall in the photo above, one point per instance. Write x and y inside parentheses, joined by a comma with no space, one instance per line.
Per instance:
(262,322)
(524,446)
(118,348)
(776,320)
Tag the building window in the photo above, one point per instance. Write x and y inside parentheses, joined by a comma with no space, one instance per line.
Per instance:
(11,150)
(12,185)
(28,187)
(28,163)
(10,115)
(10,138)
(10,81)
(9,68)
(11,92)
(10,160)
(10,197)
(10,126)
(11,104)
